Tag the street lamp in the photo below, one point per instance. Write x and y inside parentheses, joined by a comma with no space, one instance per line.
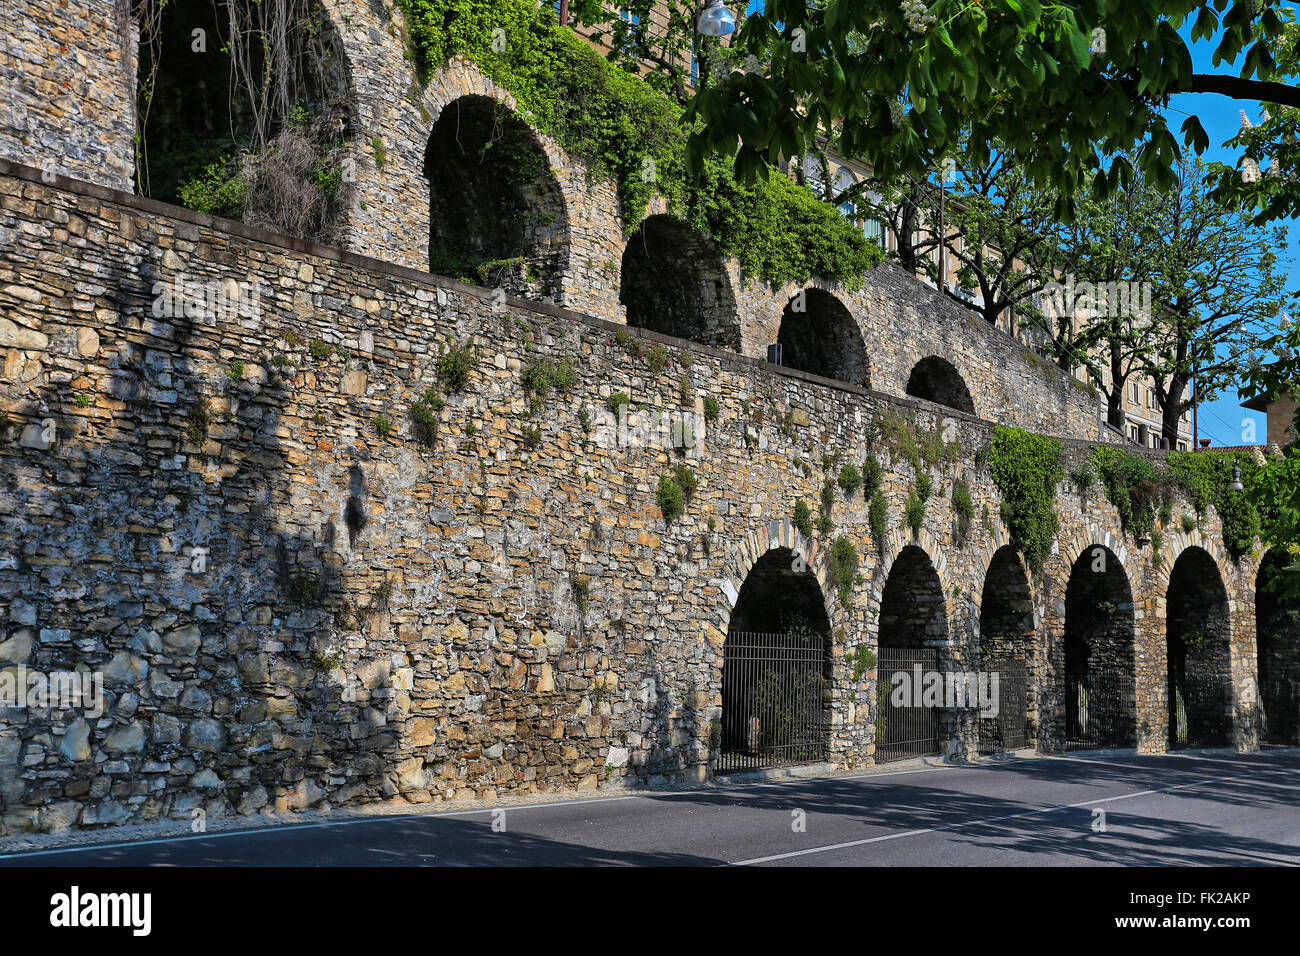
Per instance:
(716,20)
(1236,477)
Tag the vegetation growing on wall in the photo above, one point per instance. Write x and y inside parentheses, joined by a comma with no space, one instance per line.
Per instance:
(1132,485)
(629,132)
(1027,469)
(843,568)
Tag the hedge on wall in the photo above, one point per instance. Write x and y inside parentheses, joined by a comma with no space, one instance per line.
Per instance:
(1027,469)
(627,131)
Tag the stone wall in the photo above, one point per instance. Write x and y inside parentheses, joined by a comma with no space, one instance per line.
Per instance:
(299,597)
(67,81)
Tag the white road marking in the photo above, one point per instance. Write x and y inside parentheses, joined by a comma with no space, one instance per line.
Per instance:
(971,823)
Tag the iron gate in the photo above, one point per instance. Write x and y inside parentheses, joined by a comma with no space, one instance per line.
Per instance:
(1100,709)
(1280,711)
(1009,729)
(1199,714)
(905,730)
(774,708)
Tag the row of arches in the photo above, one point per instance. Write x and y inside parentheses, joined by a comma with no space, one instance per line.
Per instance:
(1082,689)
(498,212)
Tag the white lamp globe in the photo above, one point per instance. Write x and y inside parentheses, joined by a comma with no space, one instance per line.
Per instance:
(716,20)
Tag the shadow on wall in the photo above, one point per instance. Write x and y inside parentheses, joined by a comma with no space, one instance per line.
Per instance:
(496,211)
(937,380)
(819,335)
(674,283)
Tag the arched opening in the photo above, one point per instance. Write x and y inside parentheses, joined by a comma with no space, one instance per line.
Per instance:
(937,380)
(496,211)
(222,133)
(820,336)
(674,283)
(1006,632)
(776,668)
(1198,638)
(1277,639)
(1100,668)
(913,619)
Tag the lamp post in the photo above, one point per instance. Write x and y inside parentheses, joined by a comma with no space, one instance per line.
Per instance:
(715,20)
(1236,477)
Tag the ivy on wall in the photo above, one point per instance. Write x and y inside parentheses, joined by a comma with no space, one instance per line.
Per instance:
(1027,469)
(1206,478)
(627,131)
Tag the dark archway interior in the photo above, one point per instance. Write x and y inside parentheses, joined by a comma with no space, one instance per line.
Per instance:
(912,606)
(776,668)
(819,335)
(937,380)
(1277,634)
(195,116)
(674,283)
(1007,648)
(1100,671)
(496,212)
(778,598)
(1198,664)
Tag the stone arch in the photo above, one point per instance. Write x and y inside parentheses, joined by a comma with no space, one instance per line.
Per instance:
(674,282)
(497,214)
(185,95)
(913,603)
(1277,643)
(776,658)
(1198,642)
(757,543)
(1007,646)
(819,335)
(937,380)
(1099,675)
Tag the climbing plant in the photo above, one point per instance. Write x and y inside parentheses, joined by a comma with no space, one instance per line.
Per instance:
(627,131)
(1133,485)
(1027,469)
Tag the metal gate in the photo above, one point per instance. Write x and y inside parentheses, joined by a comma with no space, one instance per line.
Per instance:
(1100,709)
(905,730)
(1199,715)
(774,708)
(1279,699)
(1009,729)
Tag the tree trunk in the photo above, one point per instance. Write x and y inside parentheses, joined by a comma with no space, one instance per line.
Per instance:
(1173,408)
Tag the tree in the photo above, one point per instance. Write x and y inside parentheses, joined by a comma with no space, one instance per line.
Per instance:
(1060,85)
(1000,230)
(1216,292)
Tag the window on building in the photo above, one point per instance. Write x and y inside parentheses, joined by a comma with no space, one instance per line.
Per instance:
(633,21)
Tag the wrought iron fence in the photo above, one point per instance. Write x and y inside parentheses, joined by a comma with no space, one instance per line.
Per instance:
(1200,714)
(904,730)
(1280,711)
(1100,709)
(1009,730)
(774,707)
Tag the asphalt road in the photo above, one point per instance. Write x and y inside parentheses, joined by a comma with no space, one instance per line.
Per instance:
(1215,808)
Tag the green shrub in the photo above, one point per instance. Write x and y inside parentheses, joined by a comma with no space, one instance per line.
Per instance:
(914,513)
(454,366)
(802,519)
(1189,524)
(320,349)
(686,480)
(878,518)
(711,409)
(964,509)
(618,400)
(924,486)
(381,425)
(671,498)
(1027,469)
(424,412)
(657,359)
(850,479)
(843,568)
(872,475)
